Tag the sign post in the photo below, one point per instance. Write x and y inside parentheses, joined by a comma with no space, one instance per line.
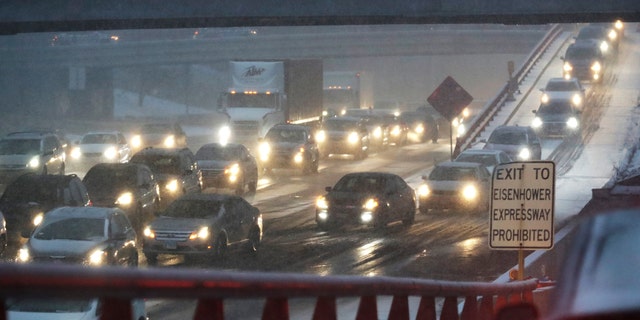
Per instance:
(522,208)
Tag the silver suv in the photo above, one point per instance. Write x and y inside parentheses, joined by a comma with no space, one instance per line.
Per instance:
(33,151)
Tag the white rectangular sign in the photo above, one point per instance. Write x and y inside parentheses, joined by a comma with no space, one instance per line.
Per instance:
(522,202)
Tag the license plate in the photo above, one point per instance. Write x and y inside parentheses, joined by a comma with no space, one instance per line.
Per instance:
(170,245)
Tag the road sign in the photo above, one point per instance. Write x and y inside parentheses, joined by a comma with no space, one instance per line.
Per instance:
(522,201)
(449,98)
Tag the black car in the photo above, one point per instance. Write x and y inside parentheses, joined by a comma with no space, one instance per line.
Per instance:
(131,187)
(25,201)
(366,198)
(422,126)
(398,130)
(289,146)
(558,118)
(175,169)
(604,35)
(203,225)
(585,61)
(343,135)
(159,135)
(92,236)
(228,166)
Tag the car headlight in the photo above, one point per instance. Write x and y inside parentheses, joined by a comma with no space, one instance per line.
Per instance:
(233,169)
(353,137)
(370,204)
(323,215)
(224,135)
(395,131)
(419,128)
(136,141)
(299,156)
(147,232)
(170,141)
(203,234)
(619,24)
(34,162)
(567,67)
(576,100)
(366,217)
(377,132)
(321,136)
(524,154)
(423,190)
(469,192)
(536,123)
(23,255)
(264,150)
(572,123)
(96,257)
(604,46)
(125,199)
(111,153)
(596,66)
(75,153)
(172,185)
(544,98)
(321,203)
(460,130)
(37,219)
(612,35)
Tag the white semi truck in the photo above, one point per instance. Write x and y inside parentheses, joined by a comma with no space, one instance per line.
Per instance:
(347,90)
(262,94)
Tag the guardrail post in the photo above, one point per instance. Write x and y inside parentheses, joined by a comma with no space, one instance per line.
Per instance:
(116,309)
(399,308)
(276,309)
(486,308)
(470,308)
(449,309)
(368,308)
(325,309)
(209,309)
(427,308)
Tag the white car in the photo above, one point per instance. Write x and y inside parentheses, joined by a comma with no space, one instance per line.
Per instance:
(99,147)
(58,308)
(488,158)
(564,90)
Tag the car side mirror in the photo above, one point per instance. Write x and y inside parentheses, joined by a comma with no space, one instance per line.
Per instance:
(534,111)
(48,153)
(424,177)
(119,236)
(327,189)
(26,233)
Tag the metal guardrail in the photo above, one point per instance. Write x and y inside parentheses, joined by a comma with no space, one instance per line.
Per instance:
(117,286)
(495,104)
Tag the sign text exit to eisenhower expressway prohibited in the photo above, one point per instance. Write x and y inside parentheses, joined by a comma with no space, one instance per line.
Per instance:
(522,202)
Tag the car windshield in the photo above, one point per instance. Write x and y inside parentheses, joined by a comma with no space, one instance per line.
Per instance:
(83,229)
(340,125)
(19,146)
(286,135)
(361,184)
(561,86)
(99,139)
(156,129)
(508,137)
(49,305)
(194,209)
(218,153)
(484,159)
(592,33)
(442,173)
(582,53)
(110,179)
(555,108)
(160,163)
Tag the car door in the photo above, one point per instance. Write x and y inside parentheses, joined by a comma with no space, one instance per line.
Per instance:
(122,239)
(240,219)
(53,155)
(123,148)
(147,188)
(403,196)
(249,166)
(191,172)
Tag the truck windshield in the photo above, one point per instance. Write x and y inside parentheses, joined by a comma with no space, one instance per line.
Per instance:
(339,97)
(259,100)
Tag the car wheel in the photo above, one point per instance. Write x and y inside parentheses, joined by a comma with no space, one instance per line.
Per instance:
(152,258)
(62,168)
(315,165)
(326,226)
(240,188)
(253,185)
(423,209)
(254,240)
(408,221)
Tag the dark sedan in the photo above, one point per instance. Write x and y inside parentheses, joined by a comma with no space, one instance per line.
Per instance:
(366,198)
(90,236)
(203,225)
(228,166)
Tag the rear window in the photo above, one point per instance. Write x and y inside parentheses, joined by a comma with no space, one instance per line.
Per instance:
(508,137)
